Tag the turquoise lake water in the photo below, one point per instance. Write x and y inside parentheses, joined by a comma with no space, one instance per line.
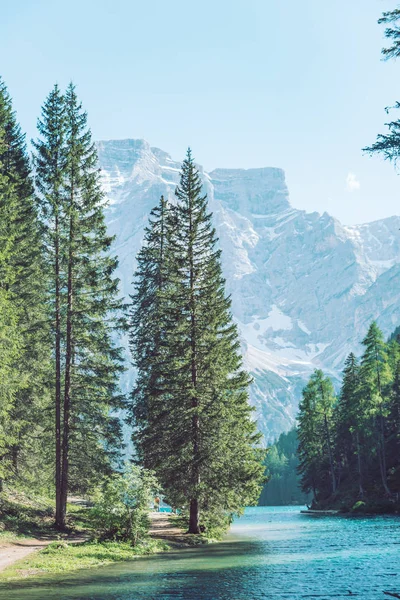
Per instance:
(270,553)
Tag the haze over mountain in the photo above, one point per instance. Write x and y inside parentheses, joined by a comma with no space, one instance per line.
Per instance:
(304,287)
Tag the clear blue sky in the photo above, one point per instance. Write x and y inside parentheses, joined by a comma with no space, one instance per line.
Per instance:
(246,83)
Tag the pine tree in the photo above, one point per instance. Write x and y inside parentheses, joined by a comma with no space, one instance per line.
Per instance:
(309,449)
(83,296)
(93,314)
(375,377)
(316,437)
(393,442)
(50,167)
(389,144)
(25,286)
(146,324)
(206,456)
(350,421)
(392,32)
(325,405)
(10,339)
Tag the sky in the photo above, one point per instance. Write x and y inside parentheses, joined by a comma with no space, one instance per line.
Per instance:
(246,83)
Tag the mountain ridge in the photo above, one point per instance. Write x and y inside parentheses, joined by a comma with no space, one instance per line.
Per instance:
(304,287)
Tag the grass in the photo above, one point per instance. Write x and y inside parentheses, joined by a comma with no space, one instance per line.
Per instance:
(23,516)
(61,557)
(10,537)
(212,533)
(27,516)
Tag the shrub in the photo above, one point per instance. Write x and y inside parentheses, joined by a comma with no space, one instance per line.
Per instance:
(121,512)
(358,506)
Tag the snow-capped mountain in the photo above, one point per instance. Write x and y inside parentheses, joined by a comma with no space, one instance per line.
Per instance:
(304,287)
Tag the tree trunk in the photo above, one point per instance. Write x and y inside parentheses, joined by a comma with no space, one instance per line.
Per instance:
(360,477)
(382,458)
(194,526)
(194,517)
(59,519)
(328,438)
(67,392)
(381,433)
(383,450)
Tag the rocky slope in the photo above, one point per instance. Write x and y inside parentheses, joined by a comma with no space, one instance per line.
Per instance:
(304,287)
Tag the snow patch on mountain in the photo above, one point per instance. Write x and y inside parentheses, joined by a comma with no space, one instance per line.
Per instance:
(304,287)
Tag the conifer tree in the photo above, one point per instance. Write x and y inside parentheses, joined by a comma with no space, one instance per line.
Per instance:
(309,449)
(146,327)
(93,362)
(393,443)
(24,285)
(362,428)
(316,437)
(392,32)
(50,167)
(388,145)
(10,339)
(375,376)
(325,405)
(206,457)
(349,420)
(83,298)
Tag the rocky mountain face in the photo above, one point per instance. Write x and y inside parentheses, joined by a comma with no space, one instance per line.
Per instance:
(304,287)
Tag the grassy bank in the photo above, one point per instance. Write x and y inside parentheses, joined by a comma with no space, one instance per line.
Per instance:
(62,557)
(26,516)
(29,520)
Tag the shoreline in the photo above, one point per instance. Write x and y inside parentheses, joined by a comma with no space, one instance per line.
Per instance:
(164,529)
(349,513)
(14,551)
(19,559)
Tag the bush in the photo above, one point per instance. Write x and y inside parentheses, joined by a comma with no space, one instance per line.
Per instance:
(358,507)
(121,512)
(55,547)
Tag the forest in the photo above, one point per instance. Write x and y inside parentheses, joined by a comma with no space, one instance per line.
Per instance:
(283,485)
(82,464)
(349,445)
(62,413)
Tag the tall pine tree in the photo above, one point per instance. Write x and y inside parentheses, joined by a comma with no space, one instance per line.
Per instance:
(349,424)
(206,457)
(149,416)
(23,287)
(87,312)
(316,451)
(50,167)
(375,378)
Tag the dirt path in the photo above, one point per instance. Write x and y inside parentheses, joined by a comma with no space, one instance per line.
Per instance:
(11,552)
(163,528)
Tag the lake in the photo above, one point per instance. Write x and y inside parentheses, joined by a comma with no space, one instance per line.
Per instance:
(270,553)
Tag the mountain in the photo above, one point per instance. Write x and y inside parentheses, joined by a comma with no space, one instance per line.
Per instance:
(304,287)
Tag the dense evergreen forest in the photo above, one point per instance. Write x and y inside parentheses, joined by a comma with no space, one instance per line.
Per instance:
(61,317)
(349,445)
(59,308)
(283,485)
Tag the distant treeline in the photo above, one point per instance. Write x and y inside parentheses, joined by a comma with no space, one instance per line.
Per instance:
(282,463)
(349,445)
